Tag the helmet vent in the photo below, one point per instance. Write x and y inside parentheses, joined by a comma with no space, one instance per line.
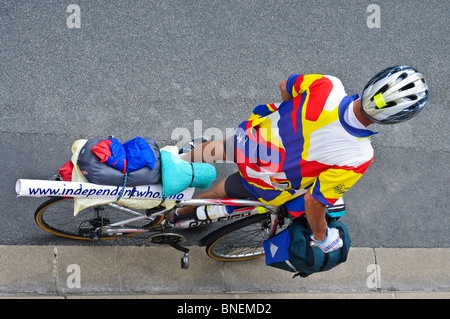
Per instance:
(411,97)
(401,77)
(381,90)
(391,103)
(407,87)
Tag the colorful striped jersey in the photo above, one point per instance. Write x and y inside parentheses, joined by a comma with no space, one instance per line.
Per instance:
(306,144)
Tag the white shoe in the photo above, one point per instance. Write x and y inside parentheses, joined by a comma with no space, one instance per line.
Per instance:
(196,141)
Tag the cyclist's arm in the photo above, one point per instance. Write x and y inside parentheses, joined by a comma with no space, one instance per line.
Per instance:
(285,95)
(315,213)
(329,186)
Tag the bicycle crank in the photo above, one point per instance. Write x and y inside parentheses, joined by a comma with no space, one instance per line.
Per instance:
(174,241)
(162,238)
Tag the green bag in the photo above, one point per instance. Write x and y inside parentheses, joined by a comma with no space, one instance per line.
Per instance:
(291,249)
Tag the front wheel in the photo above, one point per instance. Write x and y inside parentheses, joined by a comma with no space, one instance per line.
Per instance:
(241,240)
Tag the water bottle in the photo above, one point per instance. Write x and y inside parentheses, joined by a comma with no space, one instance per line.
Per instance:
(213,212)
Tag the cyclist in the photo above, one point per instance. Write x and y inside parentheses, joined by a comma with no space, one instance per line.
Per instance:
(307,151)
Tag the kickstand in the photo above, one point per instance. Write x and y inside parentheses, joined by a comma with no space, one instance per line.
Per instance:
(185,258)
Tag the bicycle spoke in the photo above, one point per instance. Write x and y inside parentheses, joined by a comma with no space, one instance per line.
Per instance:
(241,240)
(242,243)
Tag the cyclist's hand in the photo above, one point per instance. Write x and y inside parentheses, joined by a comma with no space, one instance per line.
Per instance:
(331,243)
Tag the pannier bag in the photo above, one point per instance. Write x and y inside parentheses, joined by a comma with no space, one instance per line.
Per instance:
(105,162)
(291,249)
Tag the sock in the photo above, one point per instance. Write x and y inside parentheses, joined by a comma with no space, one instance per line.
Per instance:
(174,215)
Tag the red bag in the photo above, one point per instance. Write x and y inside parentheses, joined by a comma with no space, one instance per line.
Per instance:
(66,171)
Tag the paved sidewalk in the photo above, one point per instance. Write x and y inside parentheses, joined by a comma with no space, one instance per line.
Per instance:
(154,272)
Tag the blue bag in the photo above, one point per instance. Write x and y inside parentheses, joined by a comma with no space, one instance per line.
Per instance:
(145,168)
(291,249)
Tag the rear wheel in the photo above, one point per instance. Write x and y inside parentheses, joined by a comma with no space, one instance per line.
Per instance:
(56,216)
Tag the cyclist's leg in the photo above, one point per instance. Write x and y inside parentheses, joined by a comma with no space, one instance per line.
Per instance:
(234,187)
(228,187)
(212,151)
(208,152)
(218,191)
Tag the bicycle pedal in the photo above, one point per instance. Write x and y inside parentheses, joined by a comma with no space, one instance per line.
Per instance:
(185,261)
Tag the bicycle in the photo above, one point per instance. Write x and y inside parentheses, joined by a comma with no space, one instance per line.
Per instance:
(240,240)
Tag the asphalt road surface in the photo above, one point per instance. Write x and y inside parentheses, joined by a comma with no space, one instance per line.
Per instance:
(152,68)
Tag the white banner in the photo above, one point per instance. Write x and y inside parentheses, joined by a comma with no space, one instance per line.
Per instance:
(44,188)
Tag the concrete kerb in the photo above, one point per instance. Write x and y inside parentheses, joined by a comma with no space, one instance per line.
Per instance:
(248,296)
(154,272)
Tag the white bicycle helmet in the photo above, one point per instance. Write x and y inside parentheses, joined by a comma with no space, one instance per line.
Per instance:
(394,95)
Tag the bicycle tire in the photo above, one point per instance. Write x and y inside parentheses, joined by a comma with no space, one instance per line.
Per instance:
(223,243)
(63,209)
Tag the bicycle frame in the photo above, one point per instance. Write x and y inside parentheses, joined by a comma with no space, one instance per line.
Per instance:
(249,207)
